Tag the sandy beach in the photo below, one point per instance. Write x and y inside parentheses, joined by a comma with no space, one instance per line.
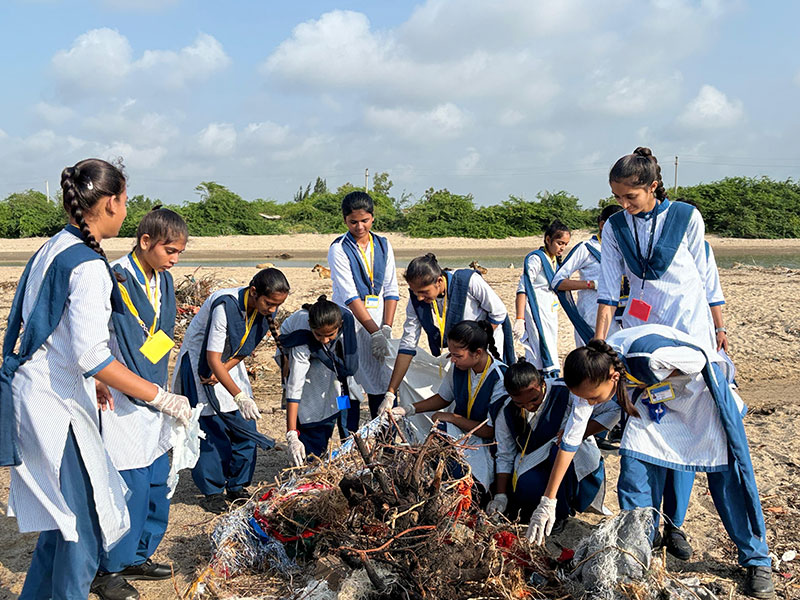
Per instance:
(763,320)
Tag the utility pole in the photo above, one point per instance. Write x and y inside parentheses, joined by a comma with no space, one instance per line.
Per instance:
(366,180)
(47,187)
(675,189)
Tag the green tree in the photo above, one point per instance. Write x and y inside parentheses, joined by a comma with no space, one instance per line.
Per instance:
(30,214)
(138,207)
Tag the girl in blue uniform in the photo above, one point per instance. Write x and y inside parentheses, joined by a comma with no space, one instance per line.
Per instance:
(63,482)
(136,437)
(210,370)
(469,394)
(537,305)
(323,358)
(683,417)
(364,280)
(526,430)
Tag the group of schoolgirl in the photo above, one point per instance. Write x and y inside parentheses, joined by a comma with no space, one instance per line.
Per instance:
(662,364)
(85,418)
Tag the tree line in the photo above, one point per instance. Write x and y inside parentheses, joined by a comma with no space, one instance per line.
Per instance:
(747,207)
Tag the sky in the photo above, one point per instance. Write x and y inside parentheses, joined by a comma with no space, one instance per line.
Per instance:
(482,97)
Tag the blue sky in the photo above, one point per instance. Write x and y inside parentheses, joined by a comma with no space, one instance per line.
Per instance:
(478,96)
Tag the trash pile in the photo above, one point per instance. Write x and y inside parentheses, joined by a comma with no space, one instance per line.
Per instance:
(380,518)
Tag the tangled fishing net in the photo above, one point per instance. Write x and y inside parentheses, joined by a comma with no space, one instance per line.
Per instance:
(380,518)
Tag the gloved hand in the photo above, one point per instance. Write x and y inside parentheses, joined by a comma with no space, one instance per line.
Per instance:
(173,405)
(386,330)
(404,411)
(518,329)
(542,521)
(498,504)
(388,402)
(378,345)
(247,406)
(297,451)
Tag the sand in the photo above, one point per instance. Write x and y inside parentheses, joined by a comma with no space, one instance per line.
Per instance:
(763,320)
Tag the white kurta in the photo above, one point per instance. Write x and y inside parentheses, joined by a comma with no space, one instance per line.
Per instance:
(679,297)
(373,375)
(548,315)
(217,342)
(310,383)
(713,286)
(55,391)
(482,304)
(134,435)
(690,435)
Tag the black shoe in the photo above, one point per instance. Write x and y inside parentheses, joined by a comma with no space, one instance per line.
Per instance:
(215,503)
(242,494)
(148,570)
(112,586)
(676,543)
(658,541)
(615,435)
(559,525)
(605,444)
(758,582)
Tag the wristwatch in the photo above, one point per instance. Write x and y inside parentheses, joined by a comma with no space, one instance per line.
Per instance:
(720,330)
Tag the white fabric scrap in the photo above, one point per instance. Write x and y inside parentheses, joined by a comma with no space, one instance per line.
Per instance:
(185,443)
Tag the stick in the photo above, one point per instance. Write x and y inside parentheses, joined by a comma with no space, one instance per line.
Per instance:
(397,428)
(378,473)
(388,543)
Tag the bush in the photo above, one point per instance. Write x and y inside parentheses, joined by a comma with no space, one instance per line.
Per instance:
(30,214)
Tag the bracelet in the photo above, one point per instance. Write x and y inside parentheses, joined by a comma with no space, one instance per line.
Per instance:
(589,284)
(720,330)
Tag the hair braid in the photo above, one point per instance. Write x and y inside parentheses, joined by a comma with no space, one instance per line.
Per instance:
(276,334)
(72,202)
(660,192)
(491,345)
(600,346)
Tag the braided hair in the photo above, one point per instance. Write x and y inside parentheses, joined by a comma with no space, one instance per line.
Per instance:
(593,363)
(271,281)
(639,169)
(474,335)
(83,186)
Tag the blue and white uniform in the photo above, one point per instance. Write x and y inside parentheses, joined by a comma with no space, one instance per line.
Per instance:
(488,395)
(469,297)
(228,453)
(699,429)
(713,287)
(541,312)
(356,275)
(584,259)
(137,437)
(667,243)
(526,448)
(318,375)
(66,485)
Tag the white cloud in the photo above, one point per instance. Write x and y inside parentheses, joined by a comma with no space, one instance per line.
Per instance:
(267,133)
(98,58)
(141,129)
(218,139)
(3,134)
(193,63)
(467,163)
(135,158)
(53,114)
(711,109)
(631,96)
(443,121)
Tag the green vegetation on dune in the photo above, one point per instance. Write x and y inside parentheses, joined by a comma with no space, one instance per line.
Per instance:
(733,207)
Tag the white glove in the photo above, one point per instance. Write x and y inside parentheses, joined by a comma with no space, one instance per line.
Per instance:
(386,330)
(378,345)
(247,406)
(498,504)
(542,521)
(173,405)
(518,329)
(297,451)
(388,402)
(403,411)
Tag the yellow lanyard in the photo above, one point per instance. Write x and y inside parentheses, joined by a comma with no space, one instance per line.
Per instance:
(441,320)
(470,395)
(152,296)
(552,260)
(371,262)
(126,298)
(249,323)
(514,477)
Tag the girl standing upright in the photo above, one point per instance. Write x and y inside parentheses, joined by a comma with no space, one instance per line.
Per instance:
(364,280)
(63,482)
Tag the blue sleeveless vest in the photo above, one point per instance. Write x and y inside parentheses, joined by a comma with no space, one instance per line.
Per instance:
(483,406)
(552,414)
(358,268)
(584,329)
(547,269)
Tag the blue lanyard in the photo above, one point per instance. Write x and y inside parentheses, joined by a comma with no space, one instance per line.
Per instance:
(644,261)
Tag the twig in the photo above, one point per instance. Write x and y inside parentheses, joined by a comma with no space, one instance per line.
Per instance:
(397,428)
(390,540)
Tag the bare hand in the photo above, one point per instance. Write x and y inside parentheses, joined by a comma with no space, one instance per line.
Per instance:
(211,380)
(443,416)
(105,400)
(722,341)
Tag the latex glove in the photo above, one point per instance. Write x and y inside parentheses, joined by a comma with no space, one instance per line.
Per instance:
(498,504)
(386,330)
(388,402)
(247,406)
(173,405)
(297,451)
(542,521)
(378,345)
(518,329)
(403,411)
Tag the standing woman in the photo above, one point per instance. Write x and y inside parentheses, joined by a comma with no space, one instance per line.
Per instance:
(438,300)
(364,280)
(136,437)
(322,343)
(537,305)
(211,372)
(63,482)
(584,258)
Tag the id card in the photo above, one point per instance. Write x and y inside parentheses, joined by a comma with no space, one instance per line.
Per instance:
(371,302)
(343,402)
(157,346)
(554,307)
(661,392)
(639,309)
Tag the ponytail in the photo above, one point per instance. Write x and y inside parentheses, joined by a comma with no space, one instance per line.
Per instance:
(639,169)
(474,335)
(423,270)
(592,363)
